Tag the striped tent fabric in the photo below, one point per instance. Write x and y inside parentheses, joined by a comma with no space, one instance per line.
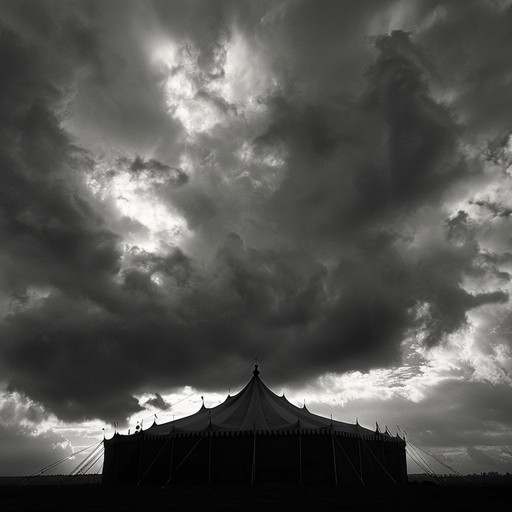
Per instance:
(255,407)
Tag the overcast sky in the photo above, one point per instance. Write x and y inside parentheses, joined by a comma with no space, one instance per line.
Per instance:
(187,185)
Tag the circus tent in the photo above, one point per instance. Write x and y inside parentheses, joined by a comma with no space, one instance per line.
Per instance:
(255,436)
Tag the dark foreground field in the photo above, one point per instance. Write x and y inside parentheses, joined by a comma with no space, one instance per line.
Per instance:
(410,498)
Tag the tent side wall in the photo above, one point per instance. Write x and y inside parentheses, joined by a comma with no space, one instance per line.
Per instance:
(254,457)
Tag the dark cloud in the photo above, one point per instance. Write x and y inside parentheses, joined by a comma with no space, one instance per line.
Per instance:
(422,136)
(158,402)
(50,229)
(470,48)
(156,169)
(368,162)
(325,223)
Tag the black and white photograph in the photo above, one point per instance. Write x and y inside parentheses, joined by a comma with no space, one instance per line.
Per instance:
(255,254)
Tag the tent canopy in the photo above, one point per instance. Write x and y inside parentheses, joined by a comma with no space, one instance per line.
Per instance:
(255,407)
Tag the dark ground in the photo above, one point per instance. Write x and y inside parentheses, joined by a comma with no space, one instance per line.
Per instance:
(410,498)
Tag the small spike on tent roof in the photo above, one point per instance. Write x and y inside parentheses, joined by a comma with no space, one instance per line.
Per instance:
(256,372)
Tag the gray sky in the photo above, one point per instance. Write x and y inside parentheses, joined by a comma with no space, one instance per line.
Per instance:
(187,185)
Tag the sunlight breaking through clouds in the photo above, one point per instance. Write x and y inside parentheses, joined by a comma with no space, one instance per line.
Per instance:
(155,225)
(202,95)
(186,186)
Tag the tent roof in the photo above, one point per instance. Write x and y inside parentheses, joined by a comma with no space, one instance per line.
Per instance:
(255,407)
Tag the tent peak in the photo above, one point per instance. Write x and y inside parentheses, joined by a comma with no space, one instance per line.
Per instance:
(256,372)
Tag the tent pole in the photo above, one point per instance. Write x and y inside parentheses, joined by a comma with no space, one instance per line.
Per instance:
(210,460)
(116,472)
(253,470)
(334,458)
(172,457)
(360,458)
(140,458)
(383,452)
(300,456)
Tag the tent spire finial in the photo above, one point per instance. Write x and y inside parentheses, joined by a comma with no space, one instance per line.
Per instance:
(256,372)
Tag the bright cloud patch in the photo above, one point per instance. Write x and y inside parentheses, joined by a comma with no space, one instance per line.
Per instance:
(205,92)
(132,188)
(190,185)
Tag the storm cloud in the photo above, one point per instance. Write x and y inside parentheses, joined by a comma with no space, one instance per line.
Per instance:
(187,186)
